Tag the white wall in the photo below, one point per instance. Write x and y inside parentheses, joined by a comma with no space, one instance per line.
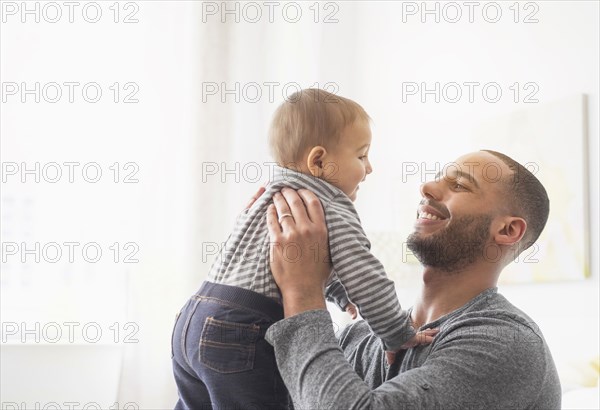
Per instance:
(157,213)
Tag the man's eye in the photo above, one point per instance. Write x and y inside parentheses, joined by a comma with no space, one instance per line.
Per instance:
(459,186)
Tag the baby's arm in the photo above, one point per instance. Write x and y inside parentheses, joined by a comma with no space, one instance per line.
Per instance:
(363,276)
(335,293)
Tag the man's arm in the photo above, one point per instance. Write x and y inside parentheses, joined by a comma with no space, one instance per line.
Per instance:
(483,363)
(472,366)
(359,271)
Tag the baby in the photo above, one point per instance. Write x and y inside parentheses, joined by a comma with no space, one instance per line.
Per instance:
(321,142)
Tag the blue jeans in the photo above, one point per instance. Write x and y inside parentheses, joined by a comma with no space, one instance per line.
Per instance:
(220,357)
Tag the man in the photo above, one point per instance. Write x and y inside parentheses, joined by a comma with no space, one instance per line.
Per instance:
(472,221)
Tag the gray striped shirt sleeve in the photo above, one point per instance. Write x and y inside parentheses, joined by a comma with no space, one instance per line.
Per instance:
(335,293)
(363,276)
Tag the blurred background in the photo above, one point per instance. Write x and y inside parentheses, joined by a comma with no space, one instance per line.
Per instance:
(133,132)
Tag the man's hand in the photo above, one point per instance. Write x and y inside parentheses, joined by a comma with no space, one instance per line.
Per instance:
(252,200)
(299,250)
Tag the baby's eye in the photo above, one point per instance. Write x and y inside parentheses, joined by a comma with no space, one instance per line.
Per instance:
(362,157)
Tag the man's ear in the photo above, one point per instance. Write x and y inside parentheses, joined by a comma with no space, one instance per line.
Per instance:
(314,160)
(510,231)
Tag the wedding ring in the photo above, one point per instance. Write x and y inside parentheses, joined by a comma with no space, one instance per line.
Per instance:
(285,216)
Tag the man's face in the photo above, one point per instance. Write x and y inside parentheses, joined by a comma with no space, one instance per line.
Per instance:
(452,229)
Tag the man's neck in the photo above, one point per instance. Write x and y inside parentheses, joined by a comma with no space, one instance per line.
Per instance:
(443,292)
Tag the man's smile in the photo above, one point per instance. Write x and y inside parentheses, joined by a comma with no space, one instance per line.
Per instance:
(428,215)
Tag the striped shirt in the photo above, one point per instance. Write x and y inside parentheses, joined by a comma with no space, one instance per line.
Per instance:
(358,276)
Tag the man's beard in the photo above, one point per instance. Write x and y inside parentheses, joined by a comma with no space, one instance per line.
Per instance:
(454,247)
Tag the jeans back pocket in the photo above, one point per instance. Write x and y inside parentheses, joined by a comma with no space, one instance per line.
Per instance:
(228,347)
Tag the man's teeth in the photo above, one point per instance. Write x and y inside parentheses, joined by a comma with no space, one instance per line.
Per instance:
(425,215)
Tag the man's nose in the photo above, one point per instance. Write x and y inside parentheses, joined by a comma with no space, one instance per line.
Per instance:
(431,190)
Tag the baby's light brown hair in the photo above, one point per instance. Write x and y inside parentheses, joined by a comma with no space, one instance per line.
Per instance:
(309,118)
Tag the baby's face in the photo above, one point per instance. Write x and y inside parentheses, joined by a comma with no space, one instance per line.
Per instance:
(349,163)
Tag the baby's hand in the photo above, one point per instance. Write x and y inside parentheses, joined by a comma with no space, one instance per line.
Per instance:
(424,337)
(351,309)
(390,357)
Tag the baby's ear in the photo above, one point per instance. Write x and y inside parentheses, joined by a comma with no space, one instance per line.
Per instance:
(314,160)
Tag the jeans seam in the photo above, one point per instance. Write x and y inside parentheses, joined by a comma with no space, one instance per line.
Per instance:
(173,334)
(233,304)
(231,325)
(184,335)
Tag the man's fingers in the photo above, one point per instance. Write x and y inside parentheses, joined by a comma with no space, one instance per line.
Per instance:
(257,195)
(313,206)
(272,223)
(283,209)
(296,206)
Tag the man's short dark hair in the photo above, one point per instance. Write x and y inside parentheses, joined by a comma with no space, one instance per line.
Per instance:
(529,199)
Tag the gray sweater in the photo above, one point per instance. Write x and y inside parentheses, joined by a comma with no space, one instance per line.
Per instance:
(488,354)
